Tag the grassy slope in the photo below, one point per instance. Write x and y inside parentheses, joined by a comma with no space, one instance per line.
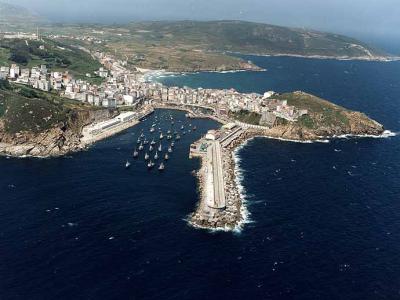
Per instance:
(248,37)
(57,56)
(322,113)
(29,110)
(246,117)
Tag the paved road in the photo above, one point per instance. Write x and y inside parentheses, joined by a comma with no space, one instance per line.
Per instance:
(215,156)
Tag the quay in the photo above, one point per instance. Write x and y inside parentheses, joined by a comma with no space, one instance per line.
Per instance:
(220,204)
(102,130)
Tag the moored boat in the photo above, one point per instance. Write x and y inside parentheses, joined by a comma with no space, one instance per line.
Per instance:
(150,165)
(127,165)
(161,167)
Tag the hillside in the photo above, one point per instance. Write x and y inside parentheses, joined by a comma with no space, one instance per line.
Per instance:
(209,46)
(253,38)
(13,17)
(39,123)
(55,55)
(324,119)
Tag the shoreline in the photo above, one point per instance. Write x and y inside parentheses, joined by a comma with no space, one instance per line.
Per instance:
(217,221)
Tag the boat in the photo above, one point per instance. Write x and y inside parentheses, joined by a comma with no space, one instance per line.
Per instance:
(170,149)
(151,148)
(146,156)
(160,148)
(152,142)
(178,137)
(141,147)
(138,141)
(172,144)
(150,165)
(169,137)
(156,156)
(161,136)
(161,167)
(145,142)
(127,165)
(184,133)
(169,132)
(135,153)
(166,157)
(142,135)
(190,125)
(152,129)
(183,127)
(194,128)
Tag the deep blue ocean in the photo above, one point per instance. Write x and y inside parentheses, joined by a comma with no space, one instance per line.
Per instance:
(324,217)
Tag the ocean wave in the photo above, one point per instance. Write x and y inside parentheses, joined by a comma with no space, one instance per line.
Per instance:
(385,134)
(239,178)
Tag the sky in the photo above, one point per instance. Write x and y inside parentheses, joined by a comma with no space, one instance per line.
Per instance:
(369,18)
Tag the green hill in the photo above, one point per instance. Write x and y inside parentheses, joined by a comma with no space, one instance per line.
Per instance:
(57,56)
(252,38)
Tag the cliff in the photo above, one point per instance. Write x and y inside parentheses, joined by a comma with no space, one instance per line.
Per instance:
(34,123)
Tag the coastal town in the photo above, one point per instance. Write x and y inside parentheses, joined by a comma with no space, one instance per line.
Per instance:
(221,205)
(131,90)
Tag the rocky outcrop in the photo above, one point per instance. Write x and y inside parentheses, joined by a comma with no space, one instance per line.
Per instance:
(59,140)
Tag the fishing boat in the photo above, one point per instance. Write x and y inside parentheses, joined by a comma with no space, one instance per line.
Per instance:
(151,148)
(161,136)
(156,156)
(127,165)
(183,127)
(178,137)
(161,167)
(146,156)
(150,165)
(135,153)
(141,147)
(170,149)
(169,132)
(153,142)
(152,129)
(160,148)
(172,144)
(166,157)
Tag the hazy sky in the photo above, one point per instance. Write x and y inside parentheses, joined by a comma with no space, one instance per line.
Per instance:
(360,17)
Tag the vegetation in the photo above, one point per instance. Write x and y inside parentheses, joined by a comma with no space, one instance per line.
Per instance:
(55,55)
(246,116)
(24,109)
(320,112)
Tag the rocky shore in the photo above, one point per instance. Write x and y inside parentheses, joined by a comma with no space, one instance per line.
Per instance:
(234,215)
(59,140)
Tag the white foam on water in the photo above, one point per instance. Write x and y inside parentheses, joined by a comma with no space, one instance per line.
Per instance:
(244,196)
(385,134)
